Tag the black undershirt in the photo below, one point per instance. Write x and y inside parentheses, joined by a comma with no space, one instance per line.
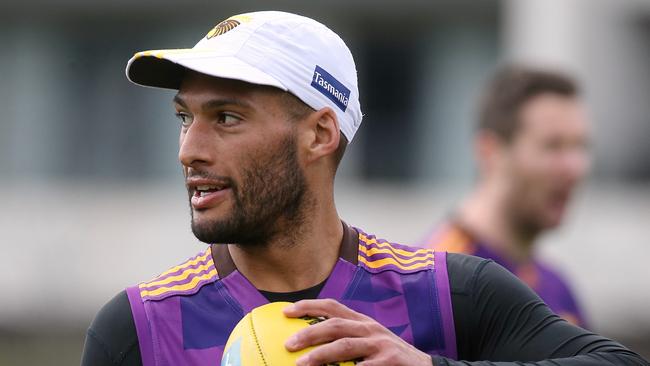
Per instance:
(497,318)
(308,293)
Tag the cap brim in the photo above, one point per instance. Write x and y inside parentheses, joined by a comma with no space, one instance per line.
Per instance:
(166,68)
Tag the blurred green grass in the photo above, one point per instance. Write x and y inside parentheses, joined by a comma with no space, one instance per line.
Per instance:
(64,348)
(53,349)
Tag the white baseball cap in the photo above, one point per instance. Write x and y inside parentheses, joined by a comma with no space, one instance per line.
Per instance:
(288,51)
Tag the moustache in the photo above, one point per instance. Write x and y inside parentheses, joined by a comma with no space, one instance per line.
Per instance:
(192,175)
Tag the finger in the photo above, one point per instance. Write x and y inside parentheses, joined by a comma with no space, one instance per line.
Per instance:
(324,332)
(322,307)
(343,349)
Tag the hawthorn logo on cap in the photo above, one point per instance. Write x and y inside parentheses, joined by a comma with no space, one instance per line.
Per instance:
(227,25)
(222,28)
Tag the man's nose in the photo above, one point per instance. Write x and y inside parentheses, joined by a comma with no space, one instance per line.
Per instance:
(575,164)
(195,145)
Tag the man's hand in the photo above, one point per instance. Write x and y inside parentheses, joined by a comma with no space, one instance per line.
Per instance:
(348,335)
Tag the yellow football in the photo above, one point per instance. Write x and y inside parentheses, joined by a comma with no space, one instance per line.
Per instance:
(259,337)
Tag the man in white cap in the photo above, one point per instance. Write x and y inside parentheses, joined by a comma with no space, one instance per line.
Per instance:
(267,103)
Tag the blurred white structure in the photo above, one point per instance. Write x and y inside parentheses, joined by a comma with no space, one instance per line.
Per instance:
(70,248)
(606,44)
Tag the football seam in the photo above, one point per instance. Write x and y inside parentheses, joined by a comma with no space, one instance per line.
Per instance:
(257,343)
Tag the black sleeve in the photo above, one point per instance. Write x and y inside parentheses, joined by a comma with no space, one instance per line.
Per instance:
(498,318)
(111,339)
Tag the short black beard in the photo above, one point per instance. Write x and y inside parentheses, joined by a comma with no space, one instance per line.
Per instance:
(527,227)
(270,200)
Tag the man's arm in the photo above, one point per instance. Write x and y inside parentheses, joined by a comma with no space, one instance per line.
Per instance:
(111,339)
(498,318)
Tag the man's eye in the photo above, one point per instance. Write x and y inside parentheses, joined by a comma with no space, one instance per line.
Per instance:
(228,119)
(185,118)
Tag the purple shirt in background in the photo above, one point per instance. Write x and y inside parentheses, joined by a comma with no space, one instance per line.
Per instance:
(551,287)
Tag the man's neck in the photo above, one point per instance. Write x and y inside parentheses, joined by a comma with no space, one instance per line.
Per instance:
(484,214)
(296,259)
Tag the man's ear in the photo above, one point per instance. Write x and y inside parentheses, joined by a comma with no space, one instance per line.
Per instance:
(320,134)
(489,150)
(492,152)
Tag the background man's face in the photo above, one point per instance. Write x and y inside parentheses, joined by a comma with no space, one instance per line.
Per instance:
(546,159)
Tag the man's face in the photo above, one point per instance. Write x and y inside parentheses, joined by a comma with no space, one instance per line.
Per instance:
(239,156)
(546,159)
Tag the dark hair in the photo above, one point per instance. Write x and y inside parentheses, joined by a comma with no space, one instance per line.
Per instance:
(513,86)
(297,110)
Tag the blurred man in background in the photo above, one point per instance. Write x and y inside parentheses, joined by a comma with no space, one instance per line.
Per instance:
(531,147)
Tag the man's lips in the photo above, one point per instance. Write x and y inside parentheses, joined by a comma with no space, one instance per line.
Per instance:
(206,193)
(559,199)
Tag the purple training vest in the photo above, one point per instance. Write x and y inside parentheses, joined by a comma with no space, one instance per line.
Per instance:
(184,316)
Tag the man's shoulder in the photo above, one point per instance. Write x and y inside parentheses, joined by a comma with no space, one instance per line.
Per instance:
(185,278)
(379,255)
(115,315)
(463,270)
(111,337)
(554,282)
(451,237)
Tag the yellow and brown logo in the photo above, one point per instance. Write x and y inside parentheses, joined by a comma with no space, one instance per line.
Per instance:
(222,28)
